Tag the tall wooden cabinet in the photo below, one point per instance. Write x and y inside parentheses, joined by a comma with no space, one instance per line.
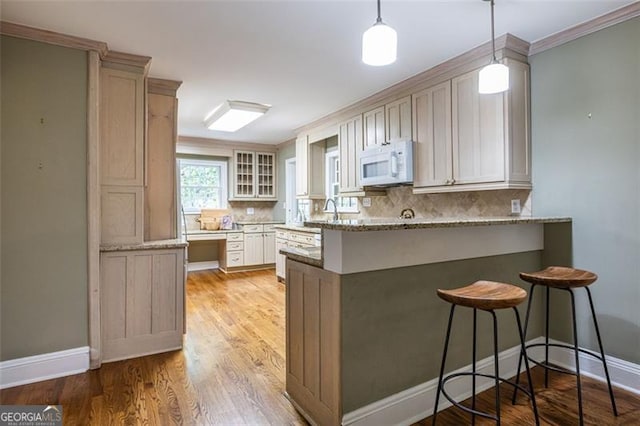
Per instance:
(374,127)
(162,128)
(122,103)
(397,117)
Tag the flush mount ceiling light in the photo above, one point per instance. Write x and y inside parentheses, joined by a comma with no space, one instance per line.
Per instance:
(494,78)
(379,43)
(234,115)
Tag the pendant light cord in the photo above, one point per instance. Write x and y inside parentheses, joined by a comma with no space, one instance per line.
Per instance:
(379,16)
(493,36)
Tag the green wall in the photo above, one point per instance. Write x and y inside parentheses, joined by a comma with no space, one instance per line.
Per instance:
(43,179)
(586,164)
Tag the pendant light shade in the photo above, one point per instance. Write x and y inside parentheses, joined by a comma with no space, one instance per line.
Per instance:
(494,78)
(379,43)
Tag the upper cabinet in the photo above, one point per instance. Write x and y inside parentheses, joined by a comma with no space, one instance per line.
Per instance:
(350,142)
(121,127)
(487,146)
(432,133)
(162,128)
(309,168)
(254,176)
(398,120)
(374,127)
(122,150)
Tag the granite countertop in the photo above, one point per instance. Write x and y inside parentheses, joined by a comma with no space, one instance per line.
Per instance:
(389,224)
(146,245)
(204,231)
(310,256)
(299,228)
(258,222)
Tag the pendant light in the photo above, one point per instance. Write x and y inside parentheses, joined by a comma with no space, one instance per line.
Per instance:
(379,43)
(494,78)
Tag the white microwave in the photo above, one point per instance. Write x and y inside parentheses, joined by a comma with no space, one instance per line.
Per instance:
(387,165)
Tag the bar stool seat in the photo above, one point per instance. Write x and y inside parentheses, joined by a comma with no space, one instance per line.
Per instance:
(487,296)
(566,279)
(560,277)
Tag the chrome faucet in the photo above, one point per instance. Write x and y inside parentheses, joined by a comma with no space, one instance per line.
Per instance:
(407,214)
(335,207)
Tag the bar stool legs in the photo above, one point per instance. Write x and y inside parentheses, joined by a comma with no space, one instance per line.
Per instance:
(442,380)
(575,347)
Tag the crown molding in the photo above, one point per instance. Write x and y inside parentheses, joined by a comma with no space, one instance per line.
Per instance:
(596,24)
(507,45)
(126,61)
(160,86)
(52,37)
(205,146)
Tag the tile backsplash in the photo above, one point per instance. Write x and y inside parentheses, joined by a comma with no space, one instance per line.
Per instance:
(452,204)
(262,211)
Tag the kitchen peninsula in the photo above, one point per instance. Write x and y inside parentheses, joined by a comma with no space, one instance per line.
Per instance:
(363,319)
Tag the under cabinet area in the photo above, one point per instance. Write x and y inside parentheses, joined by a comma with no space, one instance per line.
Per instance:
(142,302)
(286,237)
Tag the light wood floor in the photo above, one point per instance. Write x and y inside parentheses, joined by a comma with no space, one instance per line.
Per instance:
(231,372)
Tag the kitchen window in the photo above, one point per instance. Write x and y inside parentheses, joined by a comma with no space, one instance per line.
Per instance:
(332,185)
(203,184)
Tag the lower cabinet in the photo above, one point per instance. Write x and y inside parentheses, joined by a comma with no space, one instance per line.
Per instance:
(291,238)
(313,342)
(141,302)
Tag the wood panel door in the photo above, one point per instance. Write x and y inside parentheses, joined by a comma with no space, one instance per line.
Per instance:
(350,141)
(142,306)
(313,341)
(478,132)
(253,249)
(432,136)
(121,127)
(374,127)
(397,116)
(269,248)
(122,214)
(302,173)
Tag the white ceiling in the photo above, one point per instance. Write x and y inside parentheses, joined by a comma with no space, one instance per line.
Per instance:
(301,56)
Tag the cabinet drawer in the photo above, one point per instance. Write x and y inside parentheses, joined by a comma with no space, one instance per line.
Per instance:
(302,238)
(269,227)
(252,228)
(235,258)
(235,236)
(283,235)
(235,245)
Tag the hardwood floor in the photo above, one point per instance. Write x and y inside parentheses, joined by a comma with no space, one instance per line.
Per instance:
(231,372)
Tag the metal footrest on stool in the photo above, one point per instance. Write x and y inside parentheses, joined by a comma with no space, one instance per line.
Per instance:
(488,376)
(554,367)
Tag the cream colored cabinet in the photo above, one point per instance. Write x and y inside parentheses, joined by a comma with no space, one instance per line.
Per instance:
(292,238)
(489,143)
(122,102)
(309,168)
(350,143)
(269,247)
(397,115)
(280,243)
(160,190)
(259,244)
(142,302)
(432,136)
(313,342)
(374,127)
(231,251)
(253,249)
(254,175)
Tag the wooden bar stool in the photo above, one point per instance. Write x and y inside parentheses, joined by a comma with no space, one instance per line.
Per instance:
(487,296)
(565,279)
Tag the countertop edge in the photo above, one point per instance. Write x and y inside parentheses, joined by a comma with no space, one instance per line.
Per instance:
(146,245)
(434,223)
(307,229)
(293,254)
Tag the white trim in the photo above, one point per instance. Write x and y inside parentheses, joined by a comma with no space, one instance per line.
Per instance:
(37,368)
(416,403)
(201,266)
(623,374)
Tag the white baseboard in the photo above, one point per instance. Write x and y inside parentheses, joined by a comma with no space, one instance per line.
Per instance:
(623,374)
(36,368)
(416,403)
(201,266)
